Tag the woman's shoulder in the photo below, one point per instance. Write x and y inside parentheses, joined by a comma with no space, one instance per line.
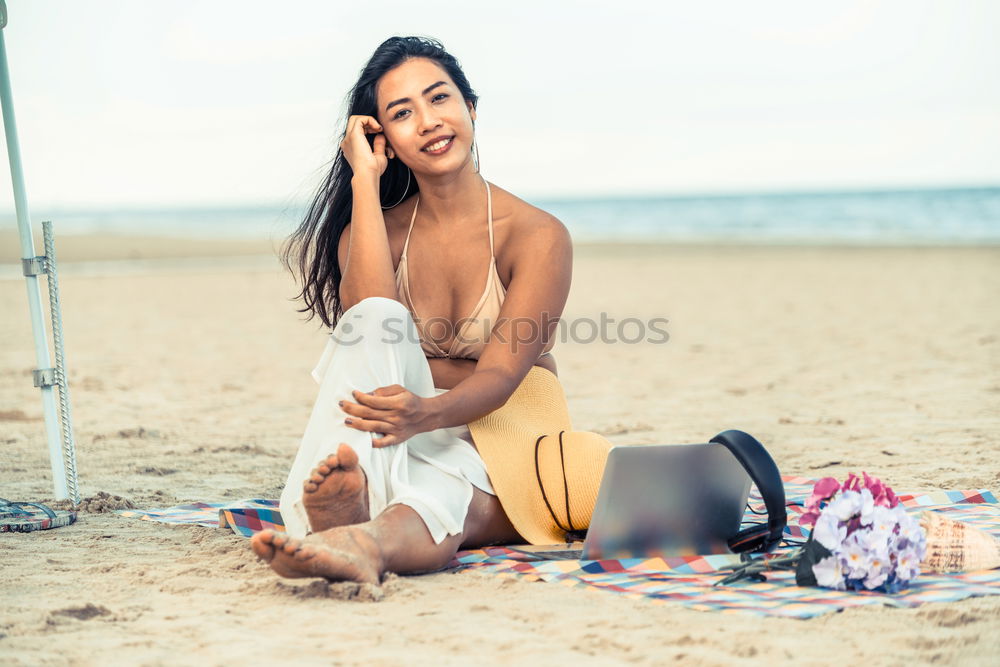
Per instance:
(525,221)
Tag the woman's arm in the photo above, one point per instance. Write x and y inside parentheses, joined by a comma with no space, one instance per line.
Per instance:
(363,252)
(541,274)
(365,259)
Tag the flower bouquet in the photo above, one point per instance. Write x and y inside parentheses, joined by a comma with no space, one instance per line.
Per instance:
(861,539)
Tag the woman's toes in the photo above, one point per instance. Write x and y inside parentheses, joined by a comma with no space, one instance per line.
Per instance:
(346,456)
(262,545)
(320,472)
(305,553)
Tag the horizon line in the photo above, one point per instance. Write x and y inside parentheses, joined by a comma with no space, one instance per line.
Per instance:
(553,197)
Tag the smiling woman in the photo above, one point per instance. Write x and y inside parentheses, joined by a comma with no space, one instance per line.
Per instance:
(388,477)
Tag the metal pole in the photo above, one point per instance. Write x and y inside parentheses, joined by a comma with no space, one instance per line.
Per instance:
(65,416)
(31,266)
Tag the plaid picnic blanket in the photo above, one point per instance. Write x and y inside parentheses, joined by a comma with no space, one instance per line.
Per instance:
(686,581)
(244,517)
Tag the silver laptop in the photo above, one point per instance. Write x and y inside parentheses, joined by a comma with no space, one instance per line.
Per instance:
(661,500)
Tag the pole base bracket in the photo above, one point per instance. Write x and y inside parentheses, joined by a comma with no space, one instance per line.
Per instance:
(34,266)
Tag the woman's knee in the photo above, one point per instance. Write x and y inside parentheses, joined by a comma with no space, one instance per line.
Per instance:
(446,551)
(375,307)
(375,319)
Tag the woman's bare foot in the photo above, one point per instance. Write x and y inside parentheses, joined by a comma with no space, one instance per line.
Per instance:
(347,553)
(336,492)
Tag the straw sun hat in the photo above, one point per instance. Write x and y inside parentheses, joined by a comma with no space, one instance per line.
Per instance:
(545,474)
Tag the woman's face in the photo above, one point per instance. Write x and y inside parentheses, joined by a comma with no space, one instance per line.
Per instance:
(421,109)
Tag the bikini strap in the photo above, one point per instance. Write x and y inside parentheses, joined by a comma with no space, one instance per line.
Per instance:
(406,244)
(489,215)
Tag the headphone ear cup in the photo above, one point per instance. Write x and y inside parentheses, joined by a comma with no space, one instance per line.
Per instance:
(750,540)
(765,474)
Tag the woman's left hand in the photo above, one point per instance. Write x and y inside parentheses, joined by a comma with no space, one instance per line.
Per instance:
(394,411)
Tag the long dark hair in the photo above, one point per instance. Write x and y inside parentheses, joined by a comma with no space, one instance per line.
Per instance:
(311,251)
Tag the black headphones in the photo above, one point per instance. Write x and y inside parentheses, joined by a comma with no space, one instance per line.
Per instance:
(764,473)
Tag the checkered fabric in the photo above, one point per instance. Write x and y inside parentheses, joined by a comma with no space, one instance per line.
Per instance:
(244,517)
(684,581)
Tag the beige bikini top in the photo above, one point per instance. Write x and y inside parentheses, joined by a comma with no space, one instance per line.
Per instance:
(473,332)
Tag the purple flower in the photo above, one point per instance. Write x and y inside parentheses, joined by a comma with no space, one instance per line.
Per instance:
(911,535)
(878,570)
(854,557)
(907,564)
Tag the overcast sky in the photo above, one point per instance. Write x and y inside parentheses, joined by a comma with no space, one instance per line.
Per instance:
(239,102)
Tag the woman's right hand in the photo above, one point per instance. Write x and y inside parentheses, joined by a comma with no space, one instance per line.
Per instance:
(359,154)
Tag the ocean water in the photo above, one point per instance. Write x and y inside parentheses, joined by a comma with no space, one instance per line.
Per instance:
(952,216)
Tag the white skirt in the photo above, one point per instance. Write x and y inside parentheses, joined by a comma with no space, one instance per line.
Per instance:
(374,344)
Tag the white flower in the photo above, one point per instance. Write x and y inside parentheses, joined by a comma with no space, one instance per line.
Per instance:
(879,568)
(846,505)
(907,564)
(884,521)
(828,530)
(908,526)
(874,540)
(867,507)
(920,547)
(900,514)
(915,536)
(829,573)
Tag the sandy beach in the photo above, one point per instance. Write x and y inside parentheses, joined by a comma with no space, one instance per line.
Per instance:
(191,382)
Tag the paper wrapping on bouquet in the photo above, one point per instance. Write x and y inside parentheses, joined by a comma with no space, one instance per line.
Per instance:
(812,553)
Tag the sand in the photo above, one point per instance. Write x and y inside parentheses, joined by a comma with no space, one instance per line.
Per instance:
(190,382)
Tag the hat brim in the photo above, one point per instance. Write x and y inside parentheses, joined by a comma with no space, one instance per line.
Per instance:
(506,439)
